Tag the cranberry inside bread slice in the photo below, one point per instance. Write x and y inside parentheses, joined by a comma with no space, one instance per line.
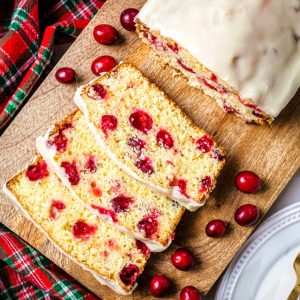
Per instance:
(150,137)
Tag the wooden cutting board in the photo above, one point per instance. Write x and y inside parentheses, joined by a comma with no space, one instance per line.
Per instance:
(273,152)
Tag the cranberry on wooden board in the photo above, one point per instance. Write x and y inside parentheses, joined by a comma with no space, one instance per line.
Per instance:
(246,215)
(248,182)
(65,75)
(183,259)
(190,293)
(102,64)
(215,228)
(105,34)
(127,18)
(159,285)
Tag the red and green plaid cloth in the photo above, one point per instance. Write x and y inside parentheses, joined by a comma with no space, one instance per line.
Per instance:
(27,274)
(27,37)
(28,32)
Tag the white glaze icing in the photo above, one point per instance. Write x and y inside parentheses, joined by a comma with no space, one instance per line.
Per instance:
(253,45)
(48,152)
(173,192)
(103,280)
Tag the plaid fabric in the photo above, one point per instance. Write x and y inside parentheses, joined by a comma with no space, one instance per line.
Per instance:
(26,274)
(27,34)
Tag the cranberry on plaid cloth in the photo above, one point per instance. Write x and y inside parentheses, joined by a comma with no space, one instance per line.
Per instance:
(27,34)
(27,274)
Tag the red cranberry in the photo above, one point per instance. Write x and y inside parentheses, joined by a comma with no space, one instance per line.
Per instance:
(129,274)
(142,246)
(71,171)
(102,64)
(90,165)
(184,66)
(215,228)
(65,75)
(205,183)
(218,155)
(183,259)
(248,182)
(60,142)
(56,208)
(106,211)
(36,172)
(97,191)
(105,34)
(145,165)
(149,224)
(246,215)
(190,293)
(182,185)
(136,143)
(109,123)
(164,139)
(141,121)
(97,92)
(82,230)
(127,18)
(204,144)
(121,203)
(173,47)
(159,285)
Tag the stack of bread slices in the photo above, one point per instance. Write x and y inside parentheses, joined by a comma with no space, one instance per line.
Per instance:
(113,179)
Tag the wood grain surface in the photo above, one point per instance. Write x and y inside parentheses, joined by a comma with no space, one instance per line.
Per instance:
(271,151)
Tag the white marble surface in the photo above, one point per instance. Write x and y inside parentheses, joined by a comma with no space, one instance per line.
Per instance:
(291,194)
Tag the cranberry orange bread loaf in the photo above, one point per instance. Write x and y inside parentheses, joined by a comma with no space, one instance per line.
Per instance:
(113,257)
(72,151)
(149,137)
(244,54)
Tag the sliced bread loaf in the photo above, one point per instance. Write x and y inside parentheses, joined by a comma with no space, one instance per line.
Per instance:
(113,257)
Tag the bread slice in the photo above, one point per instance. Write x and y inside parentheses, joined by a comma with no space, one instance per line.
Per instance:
(149,136)
(72,151)
(113,257)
